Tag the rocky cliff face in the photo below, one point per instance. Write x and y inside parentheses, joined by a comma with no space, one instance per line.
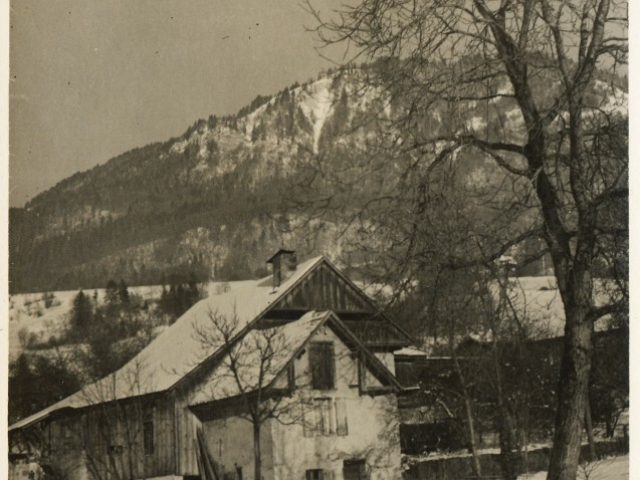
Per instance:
(214,201)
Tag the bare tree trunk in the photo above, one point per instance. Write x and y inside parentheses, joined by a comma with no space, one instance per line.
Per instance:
(257,454)
(589,428)
(524,442)
(468,410)
(508,459)
(508,456)
(572,395)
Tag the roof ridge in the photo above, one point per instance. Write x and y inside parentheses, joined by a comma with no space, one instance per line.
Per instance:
(312,263)
(304,269)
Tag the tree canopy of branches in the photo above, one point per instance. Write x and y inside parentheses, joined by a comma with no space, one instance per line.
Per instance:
(501,127)
(112,331)
(249,366)
(36,381)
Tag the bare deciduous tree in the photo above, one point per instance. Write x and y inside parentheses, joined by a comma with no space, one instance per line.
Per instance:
(515,83)
(247,373)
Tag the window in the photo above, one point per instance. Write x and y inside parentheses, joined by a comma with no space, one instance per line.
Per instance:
(314,474)
(235,474)
(319,474)
(148,433)
(354,470)
(115,449)
(325,416)
(342,428)
(322,365)
(67,431)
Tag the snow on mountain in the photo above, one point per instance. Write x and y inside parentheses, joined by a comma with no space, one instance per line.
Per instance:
(316,103)
(129,218)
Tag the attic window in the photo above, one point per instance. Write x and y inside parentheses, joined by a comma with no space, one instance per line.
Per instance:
(322,365)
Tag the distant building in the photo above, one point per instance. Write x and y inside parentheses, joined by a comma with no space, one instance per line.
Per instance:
(428,426)
(337,358)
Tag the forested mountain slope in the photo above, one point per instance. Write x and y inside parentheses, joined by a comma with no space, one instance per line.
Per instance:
(216,200)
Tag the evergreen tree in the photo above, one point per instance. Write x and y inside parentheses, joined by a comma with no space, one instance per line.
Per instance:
(123,293)
(81,313)
(180,296)
(48,298)
(111,295)
(37,382)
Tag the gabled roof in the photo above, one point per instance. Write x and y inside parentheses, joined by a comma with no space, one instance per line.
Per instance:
(287,340)
(176,351)
(375,329)
(177,354)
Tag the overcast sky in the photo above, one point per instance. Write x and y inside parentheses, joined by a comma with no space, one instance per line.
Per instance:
(93,78)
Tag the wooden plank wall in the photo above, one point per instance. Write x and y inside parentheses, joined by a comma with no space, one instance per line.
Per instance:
(185,432)
(324,290)
(100,430)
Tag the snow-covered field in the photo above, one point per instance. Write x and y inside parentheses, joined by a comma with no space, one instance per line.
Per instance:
(613,468)
(28,313)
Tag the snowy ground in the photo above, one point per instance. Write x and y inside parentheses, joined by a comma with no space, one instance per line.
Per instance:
(27,312)
(613,468)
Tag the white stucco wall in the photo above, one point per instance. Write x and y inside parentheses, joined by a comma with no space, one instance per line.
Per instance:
(372,421)
(230,442)
(373,429)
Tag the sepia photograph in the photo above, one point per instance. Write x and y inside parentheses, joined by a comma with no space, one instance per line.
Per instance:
(317,240)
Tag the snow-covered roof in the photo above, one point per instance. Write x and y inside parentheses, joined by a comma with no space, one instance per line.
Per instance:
(537,301)
(177,350)
(410,352)
(285,340)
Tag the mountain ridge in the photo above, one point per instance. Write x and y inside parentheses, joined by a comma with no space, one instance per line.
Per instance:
(213,201)
(172,188)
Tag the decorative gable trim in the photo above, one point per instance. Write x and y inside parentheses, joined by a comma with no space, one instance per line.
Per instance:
(376,367)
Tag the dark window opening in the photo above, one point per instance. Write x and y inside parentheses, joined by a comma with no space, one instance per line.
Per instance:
(316,474)
(322,365)
(116,449)
(354,470)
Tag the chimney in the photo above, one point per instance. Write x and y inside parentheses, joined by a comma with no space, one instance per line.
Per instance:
(284,263)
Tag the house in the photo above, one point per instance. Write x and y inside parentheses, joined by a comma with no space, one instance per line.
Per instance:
(530,361)
(305,344)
